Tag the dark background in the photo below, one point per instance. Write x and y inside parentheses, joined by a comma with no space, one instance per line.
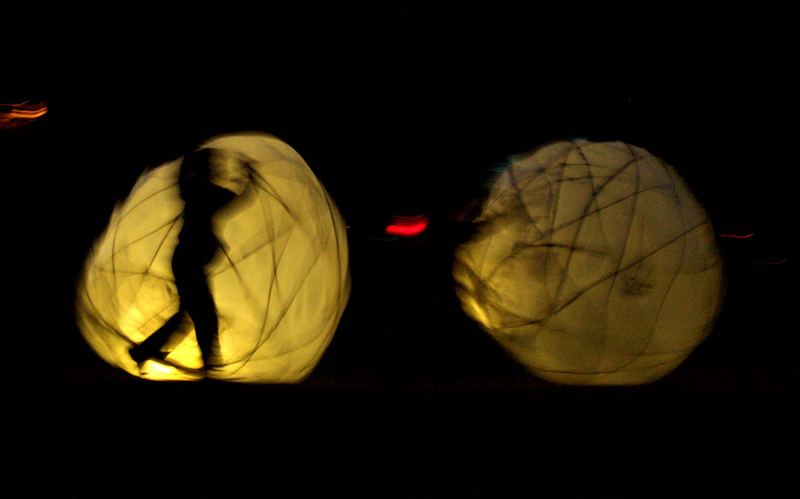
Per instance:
(399,110)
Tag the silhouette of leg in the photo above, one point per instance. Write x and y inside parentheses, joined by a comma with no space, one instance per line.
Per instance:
(206,327)
(200,306)
(188,263)
(152,346)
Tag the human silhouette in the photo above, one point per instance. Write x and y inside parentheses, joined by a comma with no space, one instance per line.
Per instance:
(197,246)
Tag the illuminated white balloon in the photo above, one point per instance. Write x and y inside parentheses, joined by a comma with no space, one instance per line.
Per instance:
(592,264)
(280,287)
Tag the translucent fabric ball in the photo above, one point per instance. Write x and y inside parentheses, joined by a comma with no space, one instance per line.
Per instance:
(280,284)
(592,264)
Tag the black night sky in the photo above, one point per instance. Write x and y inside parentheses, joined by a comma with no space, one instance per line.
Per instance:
(399,110)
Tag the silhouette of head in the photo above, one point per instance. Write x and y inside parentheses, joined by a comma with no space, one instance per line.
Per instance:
(213,166)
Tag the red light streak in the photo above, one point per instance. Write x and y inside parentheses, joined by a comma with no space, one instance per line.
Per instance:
(407,226)
(406,230)
(737,236)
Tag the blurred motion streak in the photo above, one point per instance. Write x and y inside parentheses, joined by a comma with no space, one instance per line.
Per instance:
(21,114)
(737,236)
(407,226)
(771,262)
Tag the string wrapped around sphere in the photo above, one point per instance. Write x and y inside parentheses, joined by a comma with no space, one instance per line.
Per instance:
(592,263)
(279,283)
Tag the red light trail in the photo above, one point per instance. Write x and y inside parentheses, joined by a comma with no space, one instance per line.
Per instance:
(737,236)
(407,226)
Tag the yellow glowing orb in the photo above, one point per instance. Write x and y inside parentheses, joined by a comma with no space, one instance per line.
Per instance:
(280,286)
(593,264)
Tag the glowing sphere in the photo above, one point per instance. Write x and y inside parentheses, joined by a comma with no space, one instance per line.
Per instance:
(592,264)
(280,286)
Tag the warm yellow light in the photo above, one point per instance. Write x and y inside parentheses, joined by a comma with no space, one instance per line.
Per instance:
(593,264)
(280,287)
